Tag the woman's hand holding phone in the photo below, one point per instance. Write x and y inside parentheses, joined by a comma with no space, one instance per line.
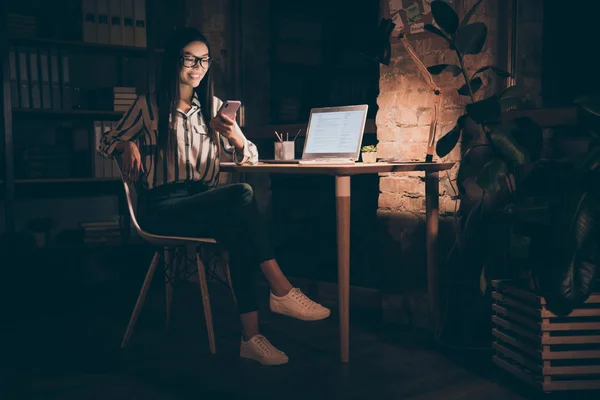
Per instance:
(224,123)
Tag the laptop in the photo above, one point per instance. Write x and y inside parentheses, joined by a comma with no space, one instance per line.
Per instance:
(333,136)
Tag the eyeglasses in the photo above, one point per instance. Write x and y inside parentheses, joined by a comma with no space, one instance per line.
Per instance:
(192,61)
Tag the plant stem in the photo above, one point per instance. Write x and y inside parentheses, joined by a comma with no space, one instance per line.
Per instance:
(464,74)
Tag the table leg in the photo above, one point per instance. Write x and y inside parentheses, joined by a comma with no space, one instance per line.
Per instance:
(432,227)
(342,197)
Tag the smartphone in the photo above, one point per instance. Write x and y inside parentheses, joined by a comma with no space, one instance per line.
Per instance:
(230,107)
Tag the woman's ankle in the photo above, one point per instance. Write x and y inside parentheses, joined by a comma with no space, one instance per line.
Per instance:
(247,337)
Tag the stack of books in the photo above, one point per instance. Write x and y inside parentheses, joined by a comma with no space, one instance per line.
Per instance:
(101,232)
(21,26)
(118,98)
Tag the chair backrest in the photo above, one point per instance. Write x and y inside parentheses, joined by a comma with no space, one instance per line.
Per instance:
(131,194)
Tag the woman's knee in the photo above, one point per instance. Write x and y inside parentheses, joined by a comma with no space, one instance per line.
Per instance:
(245,193)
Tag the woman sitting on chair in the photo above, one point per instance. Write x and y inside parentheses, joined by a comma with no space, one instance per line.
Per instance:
(173,141)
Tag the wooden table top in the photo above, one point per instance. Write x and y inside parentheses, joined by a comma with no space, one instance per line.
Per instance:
(340,169)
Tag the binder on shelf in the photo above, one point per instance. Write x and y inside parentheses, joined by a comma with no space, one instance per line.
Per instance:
(139,12)
(66,82)
(97,157)
(36,92)
(90,30)
(55,80)
(14,79)
(128,38)
(45,79)
(25,100)
(102,24)
(115,22)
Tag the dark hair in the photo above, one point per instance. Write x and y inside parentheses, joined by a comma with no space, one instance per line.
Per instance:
(167,85)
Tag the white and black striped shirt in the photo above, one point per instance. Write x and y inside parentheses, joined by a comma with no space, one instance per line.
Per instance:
(197,156)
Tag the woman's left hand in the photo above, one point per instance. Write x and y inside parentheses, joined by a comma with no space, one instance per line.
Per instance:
(228,128)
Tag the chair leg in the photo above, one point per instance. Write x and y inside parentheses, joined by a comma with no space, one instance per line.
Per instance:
(140,300)
(225,267)
(170,260)
(206,304)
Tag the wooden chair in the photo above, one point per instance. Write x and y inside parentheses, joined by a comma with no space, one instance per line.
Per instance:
(165,250)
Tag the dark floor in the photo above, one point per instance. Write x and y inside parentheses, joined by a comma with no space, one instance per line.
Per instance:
(68,349)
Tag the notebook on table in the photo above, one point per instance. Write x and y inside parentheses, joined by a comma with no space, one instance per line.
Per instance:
(333,136)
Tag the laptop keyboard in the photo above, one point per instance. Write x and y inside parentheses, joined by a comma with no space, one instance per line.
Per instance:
(328,161)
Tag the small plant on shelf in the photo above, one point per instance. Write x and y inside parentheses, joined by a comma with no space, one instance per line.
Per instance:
(369,153)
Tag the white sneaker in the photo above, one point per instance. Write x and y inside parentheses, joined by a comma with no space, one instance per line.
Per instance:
(259,348)
(295,304)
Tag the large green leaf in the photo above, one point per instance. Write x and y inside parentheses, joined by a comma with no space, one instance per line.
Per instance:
(439,68)
(512,97)
(475,84)
(435,30)
(445,16)
(589,103)
(591,161)
(529,134)
(486,110)
(488,178)
(471,38)
(465,170)
(500,72)
(504,140)
(447,142)
(573,272)
(470,13)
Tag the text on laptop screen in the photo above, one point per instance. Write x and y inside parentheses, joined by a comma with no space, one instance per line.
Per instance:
(334,132)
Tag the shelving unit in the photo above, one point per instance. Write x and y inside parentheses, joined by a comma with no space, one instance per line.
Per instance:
(89,66)
(315,58)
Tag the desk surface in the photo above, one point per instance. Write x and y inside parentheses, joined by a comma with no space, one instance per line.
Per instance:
(356,169)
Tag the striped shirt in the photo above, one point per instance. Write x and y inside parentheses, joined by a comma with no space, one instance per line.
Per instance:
(197,156)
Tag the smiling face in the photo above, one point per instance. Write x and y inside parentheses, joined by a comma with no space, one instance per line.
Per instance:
(191,76)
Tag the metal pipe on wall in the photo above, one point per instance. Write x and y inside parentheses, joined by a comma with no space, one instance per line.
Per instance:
(514,42)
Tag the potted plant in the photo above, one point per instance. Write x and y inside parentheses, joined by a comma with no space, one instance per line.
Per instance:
(507,191)
(369,153)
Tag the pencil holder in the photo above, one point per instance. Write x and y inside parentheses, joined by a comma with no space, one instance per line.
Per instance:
(284,150)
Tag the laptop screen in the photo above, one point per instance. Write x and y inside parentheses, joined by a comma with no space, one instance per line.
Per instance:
(336,131)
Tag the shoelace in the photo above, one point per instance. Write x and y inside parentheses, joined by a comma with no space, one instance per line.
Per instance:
(265,346)
(302,299)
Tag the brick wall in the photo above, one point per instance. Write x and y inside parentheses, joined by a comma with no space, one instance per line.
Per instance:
(405,106)
(403,128)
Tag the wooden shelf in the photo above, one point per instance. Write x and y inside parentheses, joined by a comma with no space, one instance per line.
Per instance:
(82,46)
(67,187)
(267,131)
(51,113)
(95,246)
(65,180)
